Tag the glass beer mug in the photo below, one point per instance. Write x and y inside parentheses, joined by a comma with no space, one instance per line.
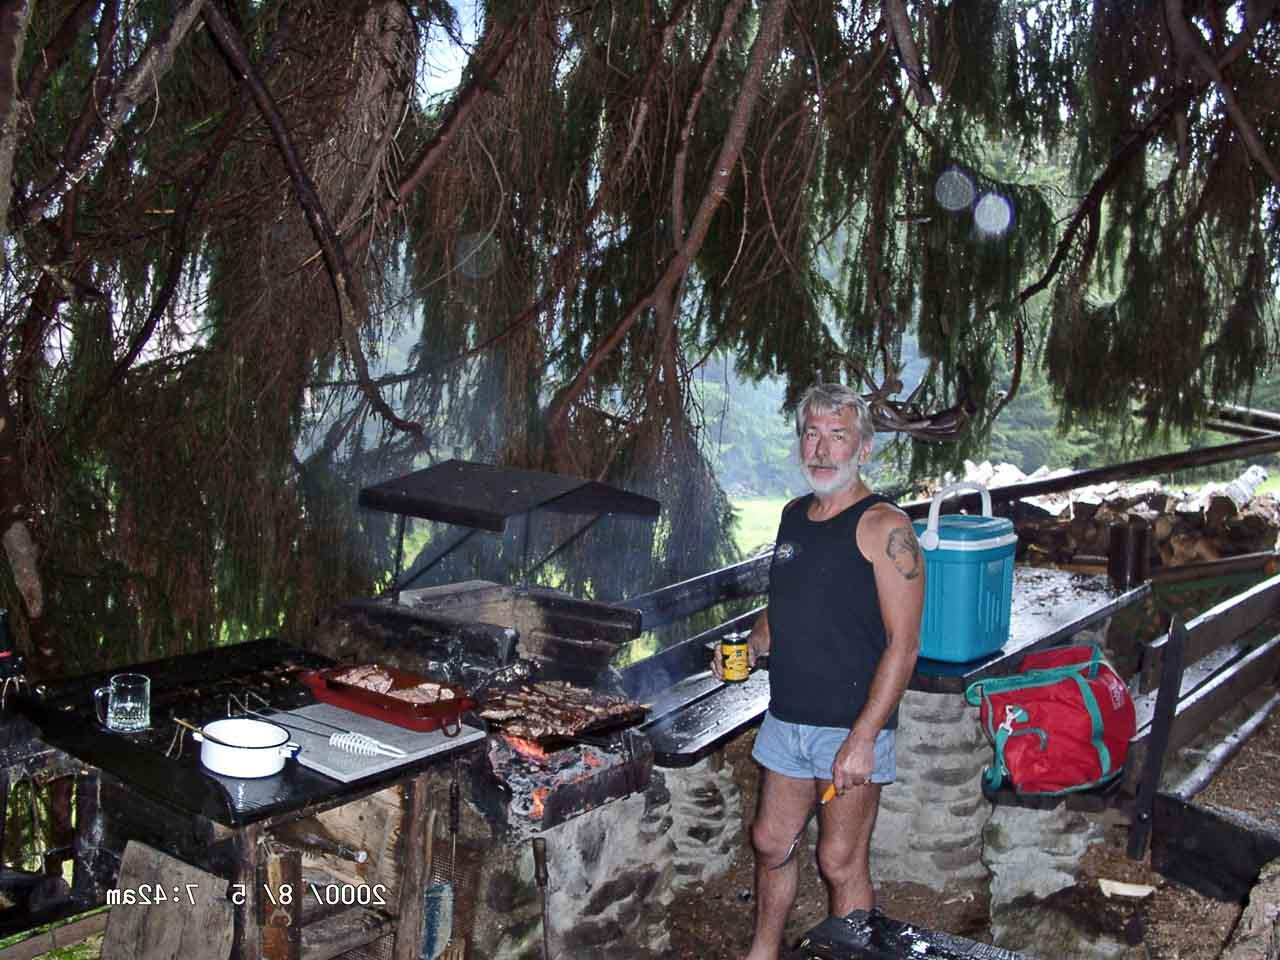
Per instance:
(124,704)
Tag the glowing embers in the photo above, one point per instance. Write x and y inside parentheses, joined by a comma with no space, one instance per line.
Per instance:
(552,786)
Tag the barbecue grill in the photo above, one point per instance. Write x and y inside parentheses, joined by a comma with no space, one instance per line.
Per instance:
(477,632)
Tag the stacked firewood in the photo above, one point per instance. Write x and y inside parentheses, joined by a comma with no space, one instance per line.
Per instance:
(1217,521)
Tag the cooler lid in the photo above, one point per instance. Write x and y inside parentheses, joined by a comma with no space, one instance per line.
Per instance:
(969,530)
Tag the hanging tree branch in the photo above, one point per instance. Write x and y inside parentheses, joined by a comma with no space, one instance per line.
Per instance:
(895,12)
(748,95)
(1188,45)
(136,87)
(455,118)
(347,290)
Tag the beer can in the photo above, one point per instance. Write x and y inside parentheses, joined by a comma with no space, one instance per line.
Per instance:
(735,657)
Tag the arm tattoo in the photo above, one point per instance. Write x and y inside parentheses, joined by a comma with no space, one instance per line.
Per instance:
(904,551)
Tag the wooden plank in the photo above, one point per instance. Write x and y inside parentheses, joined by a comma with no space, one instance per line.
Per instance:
(750,578)
(1265,560)
(64,936)
(1223,691)
(1215,851)
(1151,762)
(1217,758)
(418,830)
(1194,676)
(1218,626)
(281,880)
(681,673)
(175,928)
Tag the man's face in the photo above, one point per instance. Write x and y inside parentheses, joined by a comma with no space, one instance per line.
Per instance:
(830,450)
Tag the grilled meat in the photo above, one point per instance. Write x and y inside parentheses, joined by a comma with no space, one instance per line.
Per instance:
(552,708)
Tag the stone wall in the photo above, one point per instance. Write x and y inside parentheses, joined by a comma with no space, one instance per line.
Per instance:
(613,871)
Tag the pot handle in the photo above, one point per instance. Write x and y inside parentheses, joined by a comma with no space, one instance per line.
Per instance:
(289,749)
(101,698)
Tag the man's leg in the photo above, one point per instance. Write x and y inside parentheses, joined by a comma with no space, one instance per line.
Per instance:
(784,803)
(844,848)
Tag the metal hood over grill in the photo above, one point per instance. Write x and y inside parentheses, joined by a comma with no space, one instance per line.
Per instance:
(484,496)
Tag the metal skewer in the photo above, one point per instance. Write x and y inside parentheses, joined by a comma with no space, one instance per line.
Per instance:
(351,741)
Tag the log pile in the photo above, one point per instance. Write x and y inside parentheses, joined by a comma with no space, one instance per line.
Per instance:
(1218,521)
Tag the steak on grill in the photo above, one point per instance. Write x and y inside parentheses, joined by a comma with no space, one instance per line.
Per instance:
(553,708)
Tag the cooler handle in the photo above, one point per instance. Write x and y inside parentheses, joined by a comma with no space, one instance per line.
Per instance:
(929,540)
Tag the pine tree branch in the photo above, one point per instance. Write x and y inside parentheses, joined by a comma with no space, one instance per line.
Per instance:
(1188,44)
(51,57)
(347,290)
(136,87)
(709,58)
(677,265)
(455,118)
(895,12)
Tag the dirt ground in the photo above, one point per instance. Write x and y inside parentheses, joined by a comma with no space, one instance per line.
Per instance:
(1172,923)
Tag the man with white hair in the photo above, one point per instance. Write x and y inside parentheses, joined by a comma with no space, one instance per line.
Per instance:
(842,630)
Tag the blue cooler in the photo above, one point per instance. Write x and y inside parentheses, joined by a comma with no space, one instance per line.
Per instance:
(968,564)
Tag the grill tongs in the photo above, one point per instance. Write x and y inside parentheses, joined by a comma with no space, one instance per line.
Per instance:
(361,744)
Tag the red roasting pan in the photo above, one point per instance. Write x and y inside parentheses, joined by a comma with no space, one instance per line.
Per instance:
(446,715)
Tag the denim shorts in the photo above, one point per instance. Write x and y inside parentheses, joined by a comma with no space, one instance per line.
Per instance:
(801,751)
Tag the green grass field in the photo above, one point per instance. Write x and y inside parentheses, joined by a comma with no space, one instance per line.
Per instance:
(757,521)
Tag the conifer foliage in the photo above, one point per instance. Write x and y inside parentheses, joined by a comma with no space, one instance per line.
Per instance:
(255,258)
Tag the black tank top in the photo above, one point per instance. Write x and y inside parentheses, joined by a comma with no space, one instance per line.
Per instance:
(826,633)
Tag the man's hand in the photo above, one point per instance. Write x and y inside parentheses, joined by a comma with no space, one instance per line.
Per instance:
(854,762)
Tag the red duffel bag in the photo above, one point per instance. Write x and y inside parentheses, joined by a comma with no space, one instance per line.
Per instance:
(1061,724)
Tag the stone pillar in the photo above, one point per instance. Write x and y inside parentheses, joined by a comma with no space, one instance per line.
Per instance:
(929,829)
(706,817)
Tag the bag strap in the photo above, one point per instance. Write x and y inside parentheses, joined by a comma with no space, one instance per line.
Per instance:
(1095,718)
(974,693)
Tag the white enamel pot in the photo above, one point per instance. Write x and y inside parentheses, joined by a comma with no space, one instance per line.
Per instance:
(244,748)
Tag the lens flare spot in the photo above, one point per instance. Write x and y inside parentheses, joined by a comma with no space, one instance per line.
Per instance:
(993,215)
(954,189)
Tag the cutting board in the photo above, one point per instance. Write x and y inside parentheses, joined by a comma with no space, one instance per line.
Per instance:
(317,754)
